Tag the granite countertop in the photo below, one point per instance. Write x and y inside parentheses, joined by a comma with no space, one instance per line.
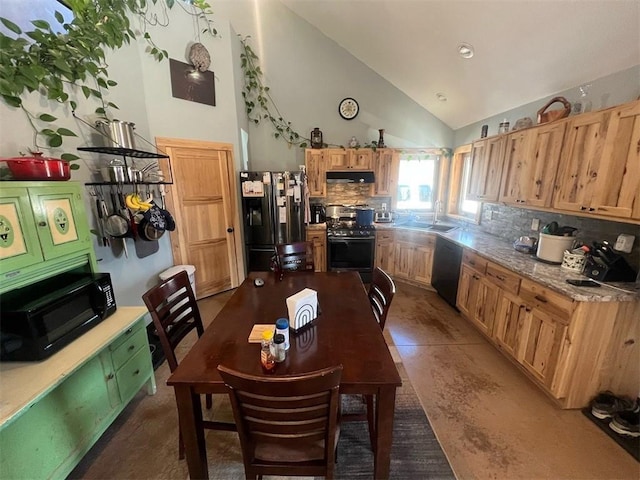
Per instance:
(552,276)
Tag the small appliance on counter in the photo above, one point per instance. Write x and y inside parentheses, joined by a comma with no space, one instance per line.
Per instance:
(383,217)
(553,242)
(605,265)
(318,213)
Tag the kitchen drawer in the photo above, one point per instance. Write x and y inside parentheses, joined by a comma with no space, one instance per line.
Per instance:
(540,297)
(385,235)
(132,343)
(134,374)
(129,332)
(505,279)
(474,261)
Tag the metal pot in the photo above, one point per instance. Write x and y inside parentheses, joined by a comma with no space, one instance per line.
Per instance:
(364,216)
(116,171)
(117,133)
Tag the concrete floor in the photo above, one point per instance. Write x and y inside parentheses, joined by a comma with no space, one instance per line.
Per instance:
(491,421)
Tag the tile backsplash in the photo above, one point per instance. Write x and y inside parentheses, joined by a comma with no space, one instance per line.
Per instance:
(510,223)
(351,194)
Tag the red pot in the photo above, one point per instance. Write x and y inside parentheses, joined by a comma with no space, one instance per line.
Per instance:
(38,168)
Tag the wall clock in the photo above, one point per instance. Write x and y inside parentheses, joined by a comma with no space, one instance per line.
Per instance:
(348,108)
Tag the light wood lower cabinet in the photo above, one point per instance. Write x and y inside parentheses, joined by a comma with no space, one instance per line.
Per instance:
(319,240)
(573,350)
(413,256)
(385,251)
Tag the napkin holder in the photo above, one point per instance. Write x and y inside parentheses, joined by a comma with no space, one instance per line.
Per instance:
(303,309)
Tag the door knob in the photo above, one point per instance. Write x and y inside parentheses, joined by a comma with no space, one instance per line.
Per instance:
(230,230)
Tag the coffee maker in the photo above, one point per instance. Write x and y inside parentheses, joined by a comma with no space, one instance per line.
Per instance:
(318,213)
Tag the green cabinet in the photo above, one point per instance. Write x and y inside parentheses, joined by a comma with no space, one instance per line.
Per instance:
(51,436)
(43,231)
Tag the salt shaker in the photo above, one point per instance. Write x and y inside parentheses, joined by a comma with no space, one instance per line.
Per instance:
(278,343)
(282,326)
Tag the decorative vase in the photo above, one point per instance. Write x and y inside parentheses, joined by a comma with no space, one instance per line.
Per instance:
(316,138)
(381,139)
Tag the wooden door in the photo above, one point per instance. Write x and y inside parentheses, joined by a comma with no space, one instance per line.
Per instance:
(516,168)
(385,167)
(545,147)
(617,189)
(203,200)
(316,172)
(580,161)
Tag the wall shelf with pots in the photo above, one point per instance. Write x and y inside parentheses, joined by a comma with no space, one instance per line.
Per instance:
(125,152)
(124,178)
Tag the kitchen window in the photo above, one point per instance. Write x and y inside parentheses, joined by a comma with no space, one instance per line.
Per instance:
(417,180)
(458,204)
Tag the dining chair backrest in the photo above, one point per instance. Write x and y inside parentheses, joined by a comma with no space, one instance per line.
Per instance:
(174,312)
(295,256)
(381,292)
(288,425)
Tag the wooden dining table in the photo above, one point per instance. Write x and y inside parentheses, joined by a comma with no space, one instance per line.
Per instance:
(345,332)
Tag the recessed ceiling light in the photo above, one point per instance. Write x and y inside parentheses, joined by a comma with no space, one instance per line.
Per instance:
(441,97)
(465,50)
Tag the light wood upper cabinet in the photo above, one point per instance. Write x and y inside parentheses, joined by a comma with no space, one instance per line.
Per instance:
(544,150)
(530,164)
(385,169)
(487,156)
(617,189)
(348,159)
(316,172)
(580,161)
(517,163)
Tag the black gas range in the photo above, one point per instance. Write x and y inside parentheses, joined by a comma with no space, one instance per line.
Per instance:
(350,246)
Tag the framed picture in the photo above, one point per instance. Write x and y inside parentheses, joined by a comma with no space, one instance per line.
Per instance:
(188,83)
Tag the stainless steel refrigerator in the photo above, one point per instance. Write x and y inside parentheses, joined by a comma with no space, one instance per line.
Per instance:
(273,208)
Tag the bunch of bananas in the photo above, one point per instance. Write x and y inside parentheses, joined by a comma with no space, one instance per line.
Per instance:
(135,203)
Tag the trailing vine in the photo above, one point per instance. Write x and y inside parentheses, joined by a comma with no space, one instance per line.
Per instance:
(260,106)
(62,65)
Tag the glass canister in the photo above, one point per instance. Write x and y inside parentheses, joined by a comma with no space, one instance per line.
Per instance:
(267,355)
(282,327)
(278,346)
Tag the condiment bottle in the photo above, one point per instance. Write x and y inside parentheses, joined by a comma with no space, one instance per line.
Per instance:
(267,358)
(282,326)
(278,343)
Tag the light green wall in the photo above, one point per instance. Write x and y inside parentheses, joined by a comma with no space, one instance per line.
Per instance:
(614,89)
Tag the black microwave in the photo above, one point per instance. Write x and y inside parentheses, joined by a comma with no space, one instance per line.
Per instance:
(42,318)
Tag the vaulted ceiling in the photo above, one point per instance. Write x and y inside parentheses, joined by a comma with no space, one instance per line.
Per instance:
(524,49)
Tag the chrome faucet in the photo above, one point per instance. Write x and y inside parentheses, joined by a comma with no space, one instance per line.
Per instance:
(436,208)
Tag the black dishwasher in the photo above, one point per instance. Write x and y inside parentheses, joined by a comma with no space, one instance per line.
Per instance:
(446,269)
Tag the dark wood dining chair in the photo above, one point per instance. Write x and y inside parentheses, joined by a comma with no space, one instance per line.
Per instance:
(288,425)
(381,292)
(294,256)
(175,313)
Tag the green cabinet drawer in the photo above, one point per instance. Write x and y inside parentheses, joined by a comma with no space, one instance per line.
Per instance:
(134,373)
(50,437)
(128,345)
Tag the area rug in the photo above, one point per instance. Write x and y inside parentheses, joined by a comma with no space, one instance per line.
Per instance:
(415,452)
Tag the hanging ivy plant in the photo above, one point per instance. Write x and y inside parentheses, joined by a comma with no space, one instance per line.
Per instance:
(64,65)
(259,105)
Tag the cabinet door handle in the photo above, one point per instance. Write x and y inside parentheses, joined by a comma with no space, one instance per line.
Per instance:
(136,372)
(501,278)
(42,224)
(111,376)
(129,330)
(540,299)
(131,347)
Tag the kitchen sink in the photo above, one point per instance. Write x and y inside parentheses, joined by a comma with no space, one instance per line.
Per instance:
(440,228)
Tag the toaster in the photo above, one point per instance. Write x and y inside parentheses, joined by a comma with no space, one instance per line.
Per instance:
(383,217)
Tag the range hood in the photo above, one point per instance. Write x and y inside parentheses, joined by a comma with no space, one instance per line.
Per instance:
(350,177)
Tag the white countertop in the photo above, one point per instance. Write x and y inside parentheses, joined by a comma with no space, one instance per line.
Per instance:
(24,383)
